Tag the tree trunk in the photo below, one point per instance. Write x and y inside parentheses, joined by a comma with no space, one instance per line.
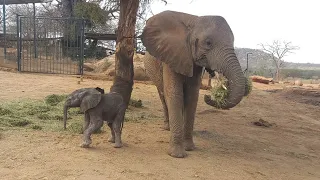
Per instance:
(278,73)
(123,80)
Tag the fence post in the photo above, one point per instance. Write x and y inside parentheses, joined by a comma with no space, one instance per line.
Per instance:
(19,50)
(4,31)
(34,31)
(18,46)
(82,39)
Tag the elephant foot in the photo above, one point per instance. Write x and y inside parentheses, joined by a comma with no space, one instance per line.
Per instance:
(111,139)
(189,145)
(177,151)
(117,145)
(166,126)
(84,145)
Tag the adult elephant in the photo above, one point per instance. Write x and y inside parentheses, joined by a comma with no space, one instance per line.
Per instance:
(179,46)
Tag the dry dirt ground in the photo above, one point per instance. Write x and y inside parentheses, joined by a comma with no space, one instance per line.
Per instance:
(229,146)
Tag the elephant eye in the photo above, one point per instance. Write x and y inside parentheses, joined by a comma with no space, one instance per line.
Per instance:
(209,43)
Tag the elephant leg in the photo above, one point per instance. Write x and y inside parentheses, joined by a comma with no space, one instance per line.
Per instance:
(111,139)
(117,126)
(173,93)
(154,71)
(117,134)
(165,110)
(95,123)
(191,95)
(86,121)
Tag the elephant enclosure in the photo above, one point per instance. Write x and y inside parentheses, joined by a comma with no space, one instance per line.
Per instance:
(229,144)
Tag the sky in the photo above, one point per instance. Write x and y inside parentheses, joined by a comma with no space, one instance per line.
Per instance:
(262,21)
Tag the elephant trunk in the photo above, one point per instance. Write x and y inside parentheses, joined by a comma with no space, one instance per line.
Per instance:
(231,69)
(65,112)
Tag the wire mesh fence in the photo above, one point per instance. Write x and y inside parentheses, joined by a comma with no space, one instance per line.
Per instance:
(50,45)
(8,50)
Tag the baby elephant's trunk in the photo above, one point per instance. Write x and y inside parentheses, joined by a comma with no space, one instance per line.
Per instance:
(65,112)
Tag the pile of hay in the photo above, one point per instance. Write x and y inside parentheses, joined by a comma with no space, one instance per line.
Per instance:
(55,99)
(135,103)
(107,66)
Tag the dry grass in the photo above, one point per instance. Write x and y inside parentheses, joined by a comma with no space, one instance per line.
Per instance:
(44,114)
(47,114)
(219,91)
(135,103)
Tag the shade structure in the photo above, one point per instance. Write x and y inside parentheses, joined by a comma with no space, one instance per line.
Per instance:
(8,2)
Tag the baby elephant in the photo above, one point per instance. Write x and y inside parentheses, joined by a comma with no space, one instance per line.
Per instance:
(97,108)
(74,95)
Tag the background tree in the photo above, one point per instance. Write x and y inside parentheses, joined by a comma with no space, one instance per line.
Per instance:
(278,50)
(123,80)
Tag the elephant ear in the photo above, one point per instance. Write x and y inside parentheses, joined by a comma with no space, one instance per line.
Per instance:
(91,100)
(165,37)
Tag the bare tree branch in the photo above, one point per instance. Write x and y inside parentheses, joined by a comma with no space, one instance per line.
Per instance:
(278,50)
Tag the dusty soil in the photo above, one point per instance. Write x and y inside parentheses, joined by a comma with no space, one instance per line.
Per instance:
(302,95)
(229,145)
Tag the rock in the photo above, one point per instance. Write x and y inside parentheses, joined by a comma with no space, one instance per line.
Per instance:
(298,82)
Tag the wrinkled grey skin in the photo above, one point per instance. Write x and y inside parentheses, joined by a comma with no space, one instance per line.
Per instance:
(97,108)
(75,94)
(178,47)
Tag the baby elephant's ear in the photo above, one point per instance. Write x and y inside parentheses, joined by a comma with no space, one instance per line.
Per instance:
(90,101)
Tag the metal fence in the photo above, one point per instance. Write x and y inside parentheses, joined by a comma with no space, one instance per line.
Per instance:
(49,45)
(8,50)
